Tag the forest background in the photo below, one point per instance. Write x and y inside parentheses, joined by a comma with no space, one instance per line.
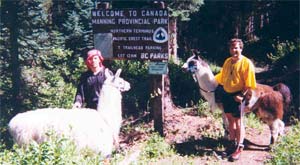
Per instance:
(43,41)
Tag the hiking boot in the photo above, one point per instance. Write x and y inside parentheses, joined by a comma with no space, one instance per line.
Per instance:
(230,148)
(236,155)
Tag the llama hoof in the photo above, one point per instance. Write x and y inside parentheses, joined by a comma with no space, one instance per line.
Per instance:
(267,148)
(281,133)
(226,135)
(224,155)
(272,141)
(106,161)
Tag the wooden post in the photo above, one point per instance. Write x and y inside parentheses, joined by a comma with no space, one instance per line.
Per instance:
(157,91)
(156,103)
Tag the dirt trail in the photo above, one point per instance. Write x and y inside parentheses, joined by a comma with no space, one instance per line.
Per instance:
(187,133)
(191,127)
(256,147)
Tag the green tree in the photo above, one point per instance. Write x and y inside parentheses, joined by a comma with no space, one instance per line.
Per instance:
(258,23)
(180,10)
(42,43)
(20,28)
(183,9)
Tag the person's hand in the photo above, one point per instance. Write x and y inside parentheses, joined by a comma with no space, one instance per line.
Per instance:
(238,98)
(76,105)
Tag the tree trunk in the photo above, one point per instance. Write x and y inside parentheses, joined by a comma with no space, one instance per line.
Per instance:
(14,53)
(173,57)
(167,95)
(173,40)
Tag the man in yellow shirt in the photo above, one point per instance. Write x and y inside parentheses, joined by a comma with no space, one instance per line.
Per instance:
(236,77)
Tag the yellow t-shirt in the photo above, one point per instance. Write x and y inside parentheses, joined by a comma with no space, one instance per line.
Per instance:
(235,77)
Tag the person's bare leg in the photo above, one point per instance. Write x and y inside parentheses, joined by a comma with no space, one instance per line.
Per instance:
(240,133)
(232,132)
(231,145)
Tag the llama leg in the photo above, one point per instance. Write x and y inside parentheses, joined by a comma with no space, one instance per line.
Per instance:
(116,141)
(225,121)
(282,125)
(271,131)
(274,128)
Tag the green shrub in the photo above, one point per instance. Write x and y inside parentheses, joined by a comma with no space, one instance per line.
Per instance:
(185,91)
(55,151)
(136,73)
(155,148)
(281,48)
(253,122)
(287,150)
(203,108)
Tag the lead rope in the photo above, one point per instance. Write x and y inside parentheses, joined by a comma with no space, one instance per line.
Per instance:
(242,107)
(206,91)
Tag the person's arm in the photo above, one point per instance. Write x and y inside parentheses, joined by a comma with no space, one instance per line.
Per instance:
(218,77)
(249,77)
(250,82)
(79,97)
(239,98)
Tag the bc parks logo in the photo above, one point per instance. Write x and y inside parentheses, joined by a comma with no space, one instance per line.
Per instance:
(160,35)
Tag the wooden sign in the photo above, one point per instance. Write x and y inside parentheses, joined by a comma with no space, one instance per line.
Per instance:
(140,34)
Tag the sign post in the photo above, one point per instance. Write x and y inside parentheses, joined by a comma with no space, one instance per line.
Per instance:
(136,34)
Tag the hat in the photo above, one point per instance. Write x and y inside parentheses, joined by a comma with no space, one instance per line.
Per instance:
(91,54)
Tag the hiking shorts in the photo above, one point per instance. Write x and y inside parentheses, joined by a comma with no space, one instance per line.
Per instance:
(227,99)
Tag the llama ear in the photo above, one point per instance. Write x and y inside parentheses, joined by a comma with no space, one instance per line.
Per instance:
(191,58)
(118,73)
(199,58)
(108,73)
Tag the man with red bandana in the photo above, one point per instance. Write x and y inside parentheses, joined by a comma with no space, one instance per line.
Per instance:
(91,81)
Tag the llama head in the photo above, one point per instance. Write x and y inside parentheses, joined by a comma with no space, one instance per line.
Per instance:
(116,80)
(250,98)
(194,64)
(190,65)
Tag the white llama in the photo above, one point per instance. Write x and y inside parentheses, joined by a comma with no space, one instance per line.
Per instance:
(96,130)
(207,84)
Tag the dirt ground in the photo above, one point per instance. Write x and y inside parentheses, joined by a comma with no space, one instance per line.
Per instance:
(256,143)
(186,132)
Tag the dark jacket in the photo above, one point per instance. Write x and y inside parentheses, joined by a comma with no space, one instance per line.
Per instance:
(88,89)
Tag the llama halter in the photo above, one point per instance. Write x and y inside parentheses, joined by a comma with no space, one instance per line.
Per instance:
(192,69)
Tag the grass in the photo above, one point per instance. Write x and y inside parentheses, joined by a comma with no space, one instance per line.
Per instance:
(55,151)
(287,150)
(253,122)
(154,150)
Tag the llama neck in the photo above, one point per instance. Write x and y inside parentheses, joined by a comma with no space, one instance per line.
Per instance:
(110,101)
(207,82)
(206,79)
(254,98)
(109,107)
